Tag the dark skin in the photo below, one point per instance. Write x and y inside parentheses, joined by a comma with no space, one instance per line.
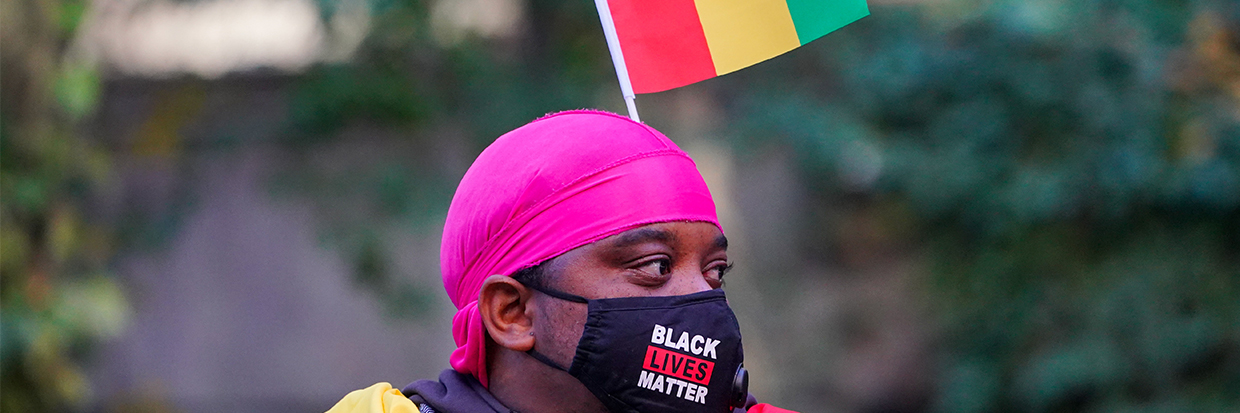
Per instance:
(664,259)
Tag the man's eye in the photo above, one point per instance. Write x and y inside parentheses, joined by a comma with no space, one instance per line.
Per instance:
(718,271)
(659,267)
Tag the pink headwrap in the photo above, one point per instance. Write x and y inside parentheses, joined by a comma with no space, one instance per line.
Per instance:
(555,184)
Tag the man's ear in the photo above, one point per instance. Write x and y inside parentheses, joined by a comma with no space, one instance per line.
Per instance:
(503,305)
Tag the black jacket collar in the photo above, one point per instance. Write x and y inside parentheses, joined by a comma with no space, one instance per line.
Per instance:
(453,393)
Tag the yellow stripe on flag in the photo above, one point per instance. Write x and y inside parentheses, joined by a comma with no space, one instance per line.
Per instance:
(743,32)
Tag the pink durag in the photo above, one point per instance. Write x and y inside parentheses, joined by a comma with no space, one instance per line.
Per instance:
(555,184)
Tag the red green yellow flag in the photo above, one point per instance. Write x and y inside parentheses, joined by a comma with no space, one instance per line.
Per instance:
(664,44)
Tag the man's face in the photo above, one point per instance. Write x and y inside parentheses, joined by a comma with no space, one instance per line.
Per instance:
(664,259)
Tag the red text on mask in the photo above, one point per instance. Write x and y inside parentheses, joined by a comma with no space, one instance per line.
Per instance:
(678,365)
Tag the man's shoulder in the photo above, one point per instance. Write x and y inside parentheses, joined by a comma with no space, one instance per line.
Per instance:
(452,393)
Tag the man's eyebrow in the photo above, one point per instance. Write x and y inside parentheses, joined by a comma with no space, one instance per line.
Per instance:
(642,235)
(721,242)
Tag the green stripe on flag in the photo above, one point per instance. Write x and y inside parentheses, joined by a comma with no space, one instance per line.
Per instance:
(814,18)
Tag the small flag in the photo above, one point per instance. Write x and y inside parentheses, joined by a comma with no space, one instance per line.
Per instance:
(671,43)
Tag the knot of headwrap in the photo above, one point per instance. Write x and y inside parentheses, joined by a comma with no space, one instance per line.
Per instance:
(560,182)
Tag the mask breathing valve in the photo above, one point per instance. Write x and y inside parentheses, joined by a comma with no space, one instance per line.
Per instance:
(740,387)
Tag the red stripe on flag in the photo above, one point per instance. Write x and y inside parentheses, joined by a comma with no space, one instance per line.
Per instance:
(663,43)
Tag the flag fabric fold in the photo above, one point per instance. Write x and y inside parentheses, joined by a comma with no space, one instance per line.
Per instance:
(672,43)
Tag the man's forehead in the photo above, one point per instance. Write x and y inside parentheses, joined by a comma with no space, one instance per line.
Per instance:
(660,232)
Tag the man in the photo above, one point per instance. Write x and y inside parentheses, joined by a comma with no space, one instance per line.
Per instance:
(585,258)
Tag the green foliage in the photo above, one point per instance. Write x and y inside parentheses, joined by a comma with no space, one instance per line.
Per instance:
(405,81)
(77,89)
(56,294)
(1073,168)
(57,297)
(333,96)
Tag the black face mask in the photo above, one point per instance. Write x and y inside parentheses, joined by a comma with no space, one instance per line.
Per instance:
(659,354)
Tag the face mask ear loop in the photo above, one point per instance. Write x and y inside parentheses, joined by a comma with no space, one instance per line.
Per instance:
(558,294)
(545,360)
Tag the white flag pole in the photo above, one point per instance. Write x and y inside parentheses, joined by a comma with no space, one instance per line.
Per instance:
(617,58)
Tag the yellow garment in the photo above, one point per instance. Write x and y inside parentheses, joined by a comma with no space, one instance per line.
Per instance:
(379,398)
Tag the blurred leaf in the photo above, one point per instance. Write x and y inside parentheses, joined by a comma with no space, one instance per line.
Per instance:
(77,89)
